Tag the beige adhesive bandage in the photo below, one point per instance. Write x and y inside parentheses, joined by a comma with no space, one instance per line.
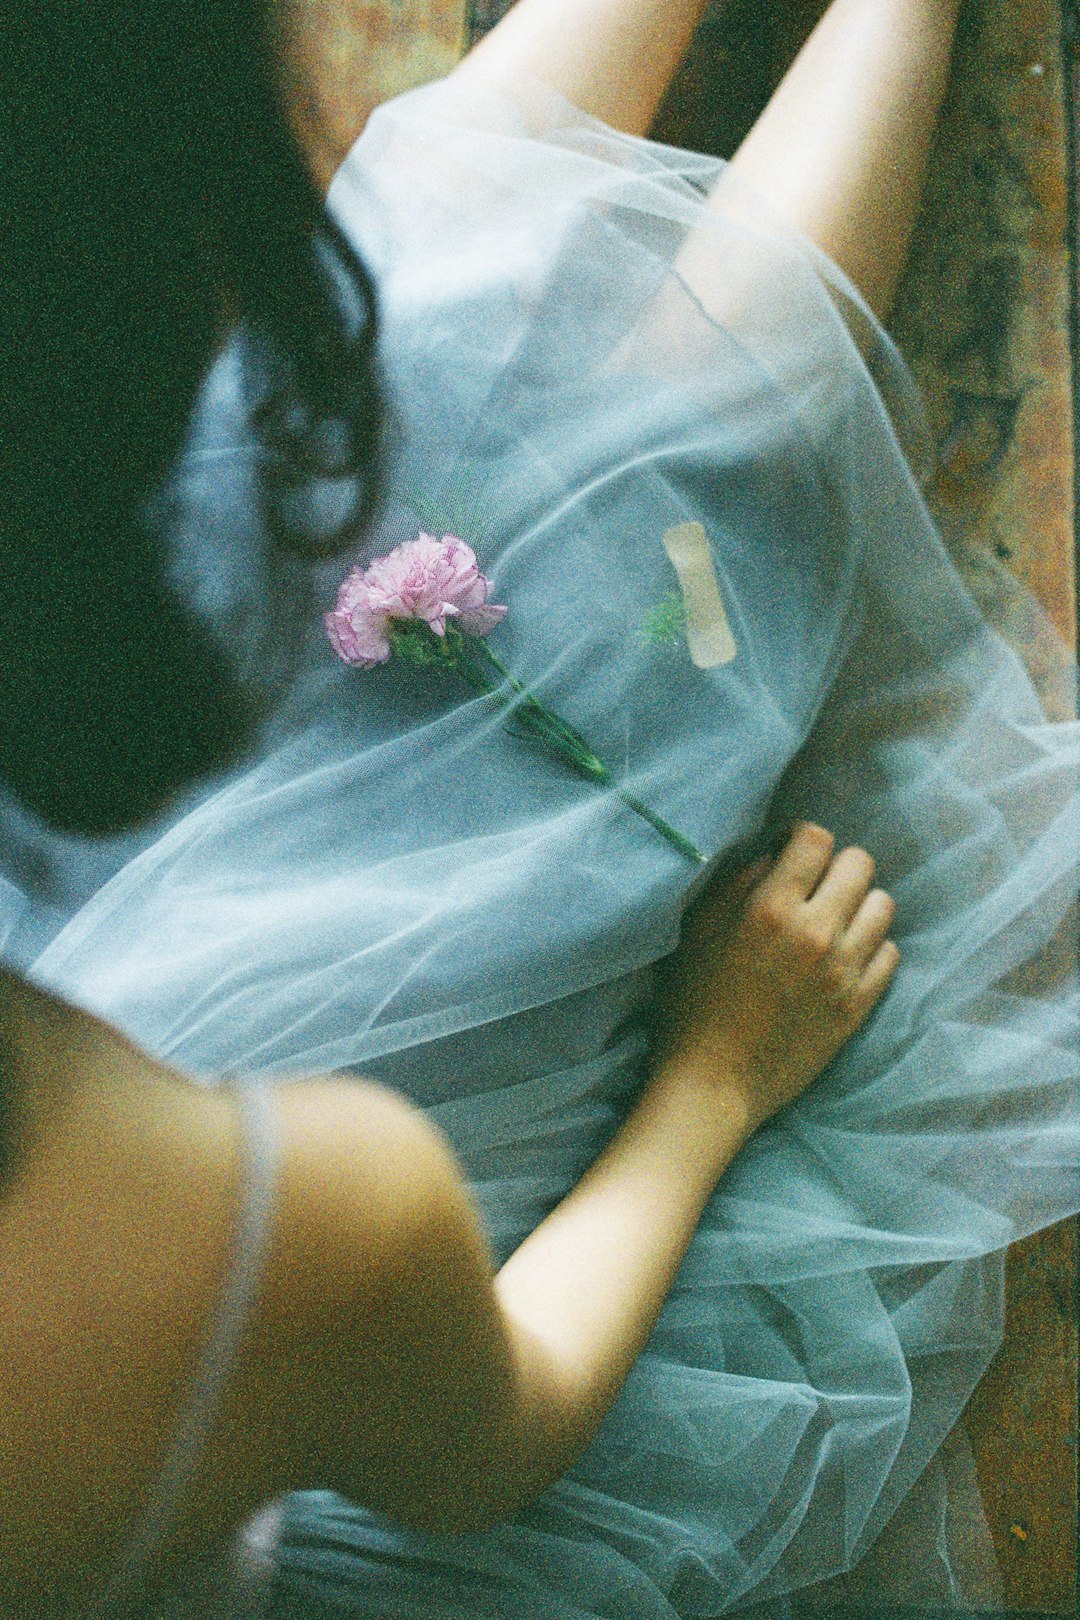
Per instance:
(708,633)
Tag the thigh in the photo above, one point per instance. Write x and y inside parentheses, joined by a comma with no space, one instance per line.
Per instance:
(840,151)
(612,58)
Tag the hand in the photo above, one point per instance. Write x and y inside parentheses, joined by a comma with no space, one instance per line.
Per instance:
(776,970)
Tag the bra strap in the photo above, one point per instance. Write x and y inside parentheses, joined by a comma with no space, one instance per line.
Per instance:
(260,1146)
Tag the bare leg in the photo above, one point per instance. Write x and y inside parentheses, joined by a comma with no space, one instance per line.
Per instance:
(841,148)
(612,58)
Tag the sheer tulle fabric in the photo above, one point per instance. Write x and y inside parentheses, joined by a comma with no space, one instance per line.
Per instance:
(582,352)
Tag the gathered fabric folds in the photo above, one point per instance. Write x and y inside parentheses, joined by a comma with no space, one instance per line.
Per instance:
(590,341)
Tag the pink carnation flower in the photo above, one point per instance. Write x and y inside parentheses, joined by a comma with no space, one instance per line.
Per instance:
(428,582)
(428,579)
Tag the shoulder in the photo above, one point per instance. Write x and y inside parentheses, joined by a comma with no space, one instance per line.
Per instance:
(114,1234)
(362,1171)
(357,1164)
(116,1239)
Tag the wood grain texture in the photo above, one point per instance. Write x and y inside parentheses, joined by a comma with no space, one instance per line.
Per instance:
(984,319)
(341,58)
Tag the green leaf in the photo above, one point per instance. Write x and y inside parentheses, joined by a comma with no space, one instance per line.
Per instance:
(666,622)
(417,643)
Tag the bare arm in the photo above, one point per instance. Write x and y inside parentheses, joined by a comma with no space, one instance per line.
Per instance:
(584,1291)
(441,1392)
(385,1359)
(521,1368)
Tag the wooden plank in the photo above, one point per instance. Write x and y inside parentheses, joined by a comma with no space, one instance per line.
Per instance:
(984,319)
(341,58)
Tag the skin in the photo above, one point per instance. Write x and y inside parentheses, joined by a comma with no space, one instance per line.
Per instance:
(385,1357)
(775,987)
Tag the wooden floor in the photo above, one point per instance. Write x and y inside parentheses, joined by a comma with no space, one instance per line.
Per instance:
(984,318)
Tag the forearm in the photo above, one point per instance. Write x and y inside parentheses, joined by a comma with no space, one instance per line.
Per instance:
(582,1294)
(612,58)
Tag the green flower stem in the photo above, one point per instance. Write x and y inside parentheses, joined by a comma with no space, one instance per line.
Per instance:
(560,739)
(682,844)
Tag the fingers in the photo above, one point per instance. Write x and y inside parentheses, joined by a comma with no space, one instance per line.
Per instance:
(879,970)
(866,932)
(844,887)
(803,861)
(836,892)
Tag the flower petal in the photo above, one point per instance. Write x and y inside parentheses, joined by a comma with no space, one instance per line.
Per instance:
(342,638)
(426,579)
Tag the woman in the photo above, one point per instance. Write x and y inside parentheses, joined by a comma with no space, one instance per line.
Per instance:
(590,350)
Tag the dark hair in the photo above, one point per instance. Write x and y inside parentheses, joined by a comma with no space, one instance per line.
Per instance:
(148,170)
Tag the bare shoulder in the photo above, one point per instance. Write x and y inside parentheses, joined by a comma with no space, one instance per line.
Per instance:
(379,1251)
(361,1166)
(116,1238)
